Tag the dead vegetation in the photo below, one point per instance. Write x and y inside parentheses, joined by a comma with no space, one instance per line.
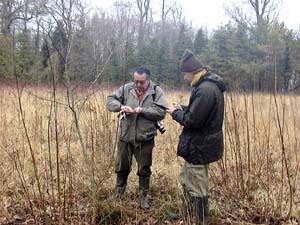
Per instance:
(255,183)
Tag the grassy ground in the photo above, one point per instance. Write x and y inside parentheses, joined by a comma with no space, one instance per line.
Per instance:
(56,164)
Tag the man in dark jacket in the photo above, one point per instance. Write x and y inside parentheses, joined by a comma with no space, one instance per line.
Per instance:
(140,104)
(201,140)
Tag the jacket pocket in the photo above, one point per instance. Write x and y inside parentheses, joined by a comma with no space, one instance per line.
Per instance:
(183,148)
(149,135)
(209,147)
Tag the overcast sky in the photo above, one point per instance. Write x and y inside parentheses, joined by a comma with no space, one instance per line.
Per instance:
(210,13)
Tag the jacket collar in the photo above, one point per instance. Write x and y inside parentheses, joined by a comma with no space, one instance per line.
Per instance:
(198,76)
(150,90)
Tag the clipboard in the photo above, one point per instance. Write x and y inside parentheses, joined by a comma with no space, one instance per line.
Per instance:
(160,106)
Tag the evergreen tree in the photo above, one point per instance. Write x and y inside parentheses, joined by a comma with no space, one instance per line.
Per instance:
(45,54)
(80,65)
(287,62)
(24,55)
(200,42)
(166,65)
(59,46)
(113,70)
(224,49)
(149,56)
(183,42)
(5,58)
(130,60)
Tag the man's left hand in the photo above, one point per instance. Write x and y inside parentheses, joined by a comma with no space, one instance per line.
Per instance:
(138,110)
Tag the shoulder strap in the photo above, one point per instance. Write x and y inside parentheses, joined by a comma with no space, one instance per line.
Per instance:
(154,95)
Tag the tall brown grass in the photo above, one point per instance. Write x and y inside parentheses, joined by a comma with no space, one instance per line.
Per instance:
(256,182)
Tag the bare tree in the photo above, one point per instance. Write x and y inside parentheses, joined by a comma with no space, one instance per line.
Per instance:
(176,14)
(259,11)
(264,9)
(143,7)
(126,24)
(39,12)
(12,10)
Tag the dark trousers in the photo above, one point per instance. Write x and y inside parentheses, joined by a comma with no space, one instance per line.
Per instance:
(143,155)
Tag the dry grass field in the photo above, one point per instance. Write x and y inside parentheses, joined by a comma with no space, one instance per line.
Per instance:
(57,161)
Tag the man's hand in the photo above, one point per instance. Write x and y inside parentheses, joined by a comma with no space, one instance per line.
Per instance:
(138,110)
(126,109)
(171,110)
(174,107)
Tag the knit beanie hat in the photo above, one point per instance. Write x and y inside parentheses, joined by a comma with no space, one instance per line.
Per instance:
(189,63)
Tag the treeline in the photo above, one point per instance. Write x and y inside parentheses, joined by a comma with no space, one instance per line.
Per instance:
(71,42)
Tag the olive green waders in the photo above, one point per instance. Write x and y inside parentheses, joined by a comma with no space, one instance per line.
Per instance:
(143,155)
(194,180)
(194,198)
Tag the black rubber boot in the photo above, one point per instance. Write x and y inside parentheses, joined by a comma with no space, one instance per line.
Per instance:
(201,210)
(186,205)
(121,184)
(184,210)
(144,183)
(120,187)
(195,209)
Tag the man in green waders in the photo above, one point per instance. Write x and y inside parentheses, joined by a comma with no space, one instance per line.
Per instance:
(201,140)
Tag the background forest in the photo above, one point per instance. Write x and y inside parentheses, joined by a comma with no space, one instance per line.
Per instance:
(254,51)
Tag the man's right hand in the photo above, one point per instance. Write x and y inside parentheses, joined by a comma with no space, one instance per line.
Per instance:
(126,109)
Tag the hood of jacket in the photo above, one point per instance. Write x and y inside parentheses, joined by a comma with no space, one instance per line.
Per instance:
(212,77)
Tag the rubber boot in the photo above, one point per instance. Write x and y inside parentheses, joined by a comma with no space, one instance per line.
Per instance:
(195,209)
(184,212)
(144,183)
(120,187)
(121,184)
(202,210)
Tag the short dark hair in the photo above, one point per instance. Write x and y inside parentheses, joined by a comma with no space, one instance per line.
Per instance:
(143,69)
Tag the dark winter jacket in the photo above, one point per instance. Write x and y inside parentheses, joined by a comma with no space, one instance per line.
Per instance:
(201,140)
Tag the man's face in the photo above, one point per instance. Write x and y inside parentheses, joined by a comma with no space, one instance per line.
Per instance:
(188,76)
(140,81)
